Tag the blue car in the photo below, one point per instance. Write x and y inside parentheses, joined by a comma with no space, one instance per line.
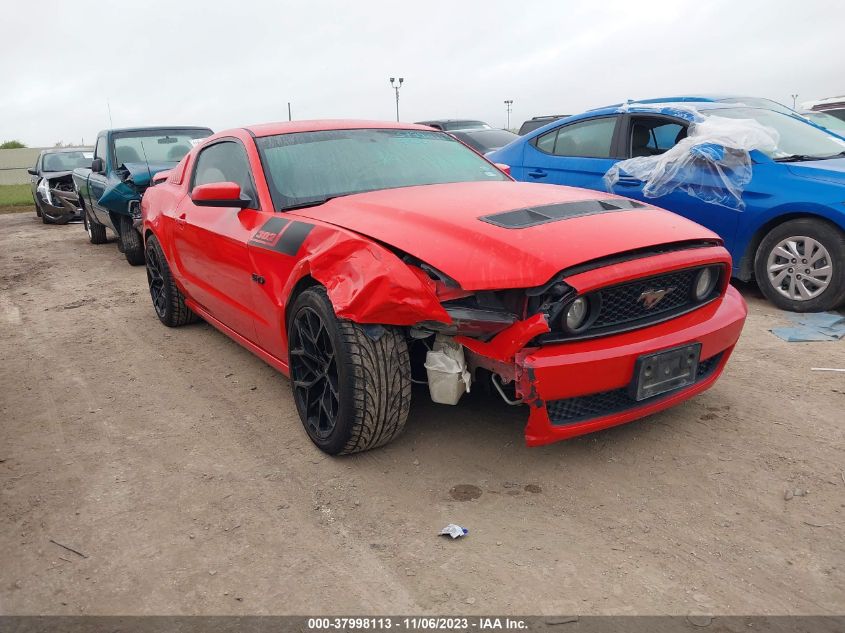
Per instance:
(787,230)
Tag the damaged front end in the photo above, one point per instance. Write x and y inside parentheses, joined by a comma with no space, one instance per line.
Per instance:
(568,349)
(125,189)
(57,200)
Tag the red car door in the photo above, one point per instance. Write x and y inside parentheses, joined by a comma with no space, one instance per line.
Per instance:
(212,242)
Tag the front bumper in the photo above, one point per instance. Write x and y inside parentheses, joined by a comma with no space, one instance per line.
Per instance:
(580,387)
(66,210)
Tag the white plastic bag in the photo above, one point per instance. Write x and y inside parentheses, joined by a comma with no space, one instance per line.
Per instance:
(712,163)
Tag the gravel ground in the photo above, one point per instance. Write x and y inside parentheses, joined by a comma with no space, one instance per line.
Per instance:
(174,463)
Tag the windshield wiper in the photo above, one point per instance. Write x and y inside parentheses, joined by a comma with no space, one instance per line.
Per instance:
(312,203)
(794,158)
(803,157)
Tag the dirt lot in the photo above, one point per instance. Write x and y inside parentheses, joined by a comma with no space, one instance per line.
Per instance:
(174,461)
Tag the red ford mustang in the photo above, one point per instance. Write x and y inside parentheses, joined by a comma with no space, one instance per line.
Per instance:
(353,256)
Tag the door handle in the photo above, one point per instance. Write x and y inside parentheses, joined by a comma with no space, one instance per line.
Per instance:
(628,182)
(537,173)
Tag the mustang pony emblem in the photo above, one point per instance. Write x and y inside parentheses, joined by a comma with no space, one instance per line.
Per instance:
(651,298)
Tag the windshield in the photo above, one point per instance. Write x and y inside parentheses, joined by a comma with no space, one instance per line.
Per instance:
(826,121)
(156,146)
(66,161)
(485,140)
(796,137)
(759,102)
(308,168)
(839,113)
(465,125)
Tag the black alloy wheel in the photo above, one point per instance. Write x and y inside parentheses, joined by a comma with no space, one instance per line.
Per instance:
(314,372)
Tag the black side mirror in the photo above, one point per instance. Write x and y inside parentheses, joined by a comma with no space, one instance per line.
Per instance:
(32,171)
(97,166)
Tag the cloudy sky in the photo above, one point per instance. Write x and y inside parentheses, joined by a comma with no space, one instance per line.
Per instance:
(235,63)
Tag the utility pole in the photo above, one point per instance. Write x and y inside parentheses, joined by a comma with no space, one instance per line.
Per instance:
(508,104)
(396,88)
(289,119)
(794,98)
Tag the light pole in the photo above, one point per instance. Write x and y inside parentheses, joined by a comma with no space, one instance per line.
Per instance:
(794,97)
(508,104)
(396,88)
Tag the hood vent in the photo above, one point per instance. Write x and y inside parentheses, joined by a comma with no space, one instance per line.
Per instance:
(532,216)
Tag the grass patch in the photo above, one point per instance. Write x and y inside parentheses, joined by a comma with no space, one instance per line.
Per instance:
(29,208)
(15,196)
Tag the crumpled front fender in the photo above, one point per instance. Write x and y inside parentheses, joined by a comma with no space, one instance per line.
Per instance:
(366,282)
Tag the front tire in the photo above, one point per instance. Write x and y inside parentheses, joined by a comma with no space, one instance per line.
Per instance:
(800,265)
(352,389)
(168,300)
(130,239)
(96,231)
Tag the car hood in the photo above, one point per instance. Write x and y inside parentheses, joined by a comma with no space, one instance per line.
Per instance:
(830,170)
(441,225)
(50,175)
(140,174)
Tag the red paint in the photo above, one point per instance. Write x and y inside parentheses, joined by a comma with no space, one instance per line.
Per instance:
(354,249)
(439,224)
(584,367)
(216,191)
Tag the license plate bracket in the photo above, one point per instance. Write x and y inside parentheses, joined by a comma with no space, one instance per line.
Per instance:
(665,371)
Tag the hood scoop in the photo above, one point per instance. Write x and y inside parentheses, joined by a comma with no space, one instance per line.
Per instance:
(532,216)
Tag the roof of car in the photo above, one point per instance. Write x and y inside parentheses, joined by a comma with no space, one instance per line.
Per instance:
(153,128)
(680,109)
(446,121)
(58,150)
(318,125)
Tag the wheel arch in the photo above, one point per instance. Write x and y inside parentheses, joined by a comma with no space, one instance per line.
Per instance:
(303,283)
(745,268)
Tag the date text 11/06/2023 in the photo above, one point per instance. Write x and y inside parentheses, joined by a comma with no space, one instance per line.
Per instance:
(431,623)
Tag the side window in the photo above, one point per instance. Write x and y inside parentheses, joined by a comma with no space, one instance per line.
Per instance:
(587,139)
(650,137)
(100,148)
(546,143)
(225,162)
(38,163)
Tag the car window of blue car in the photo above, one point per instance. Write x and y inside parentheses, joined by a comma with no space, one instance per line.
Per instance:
(586,139)
(650,137)
(795,137)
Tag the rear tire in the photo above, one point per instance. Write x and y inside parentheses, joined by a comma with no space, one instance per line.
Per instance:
(352,389)
(800,265)
(96,231)
(168,301)
(130,239)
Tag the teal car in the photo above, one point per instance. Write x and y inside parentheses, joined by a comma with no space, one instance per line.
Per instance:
(126,162)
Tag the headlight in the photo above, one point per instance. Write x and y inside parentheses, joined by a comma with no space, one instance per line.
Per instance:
(44,189)
(577,313)
(705,281)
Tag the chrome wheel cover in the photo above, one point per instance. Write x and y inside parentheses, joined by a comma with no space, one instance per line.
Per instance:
(799,268)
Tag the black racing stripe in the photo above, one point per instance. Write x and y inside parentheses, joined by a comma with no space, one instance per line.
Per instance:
(533,216)
(293,238)
(269,234)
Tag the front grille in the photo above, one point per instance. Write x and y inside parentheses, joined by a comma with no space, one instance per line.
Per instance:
(626,306)
(622,304)
(597,405)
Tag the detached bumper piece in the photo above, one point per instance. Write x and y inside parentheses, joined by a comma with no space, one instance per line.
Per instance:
(581,408)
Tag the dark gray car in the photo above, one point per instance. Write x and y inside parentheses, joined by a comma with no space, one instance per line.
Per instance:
(51,181)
